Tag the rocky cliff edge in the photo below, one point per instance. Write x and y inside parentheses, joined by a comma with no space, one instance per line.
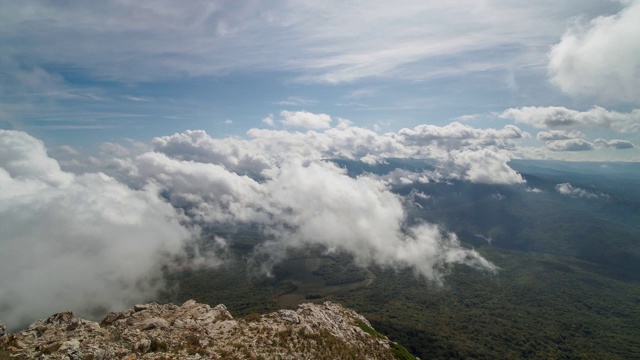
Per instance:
(198,331)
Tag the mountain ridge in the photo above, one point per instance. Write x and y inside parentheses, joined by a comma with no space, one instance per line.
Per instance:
(198,331)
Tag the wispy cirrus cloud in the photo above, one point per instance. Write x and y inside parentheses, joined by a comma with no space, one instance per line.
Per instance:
(213,38)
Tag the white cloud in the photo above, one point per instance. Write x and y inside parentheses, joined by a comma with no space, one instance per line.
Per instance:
(553,135)
(136,98)
(113,149)
(82,242)
(602,58)
(361,93)
(486,166)
(456,130)
(275,179)
(406,177)
(302,202)
(318,204)
(305,119)
(467,117)
(233,153)
(68,150)
(574,191)
(569,145)
(456,135)
(295,101)
(209,193)
(23,156)
(267,149)
(558,117)
(615,143)
(152,39)
(269,120)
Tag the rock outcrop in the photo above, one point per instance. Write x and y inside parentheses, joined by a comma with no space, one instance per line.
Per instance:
(198,331)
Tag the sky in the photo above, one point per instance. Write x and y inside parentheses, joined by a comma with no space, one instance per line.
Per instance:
(126,128)
(81,74)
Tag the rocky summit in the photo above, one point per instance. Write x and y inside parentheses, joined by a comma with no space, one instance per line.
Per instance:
(198,331)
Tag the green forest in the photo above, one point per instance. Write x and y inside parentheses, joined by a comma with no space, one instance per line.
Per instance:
(568,285)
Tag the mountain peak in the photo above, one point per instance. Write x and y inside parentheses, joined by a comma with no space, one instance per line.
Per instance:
(198,331)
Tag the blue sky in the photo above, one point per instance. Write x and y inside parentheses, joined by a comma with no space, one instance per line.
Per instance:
(80,74)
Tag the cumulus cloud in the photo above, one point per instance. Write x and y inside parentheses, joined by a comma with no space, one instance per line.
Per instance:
(615,143)
(305,119)
(233,153)
(276,180)
(269,120)
(84,242)
(301,200)
(600,59)
(208,193)
(483,166)
(113,149)
(23,156)
(574,191)
(399,177)
(456,134)
(486,166)
(569,145)
(309,203)
(319,204)
(68,150)
(558,117)
(553,135)
(266,148)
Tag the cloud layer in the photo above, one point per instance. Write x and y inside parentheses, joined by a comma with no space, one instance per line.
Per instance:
(121,230)
(558,117)
(569,145)
(615,143)
(83,242)
(300,200)
(462,151)
(204,38)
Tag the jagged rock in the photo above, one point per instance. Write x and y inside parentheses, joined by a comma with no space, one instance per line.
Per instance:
(197,331)
(154,323)
(140,307)
(3,330)
(288,315)
(70,346)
